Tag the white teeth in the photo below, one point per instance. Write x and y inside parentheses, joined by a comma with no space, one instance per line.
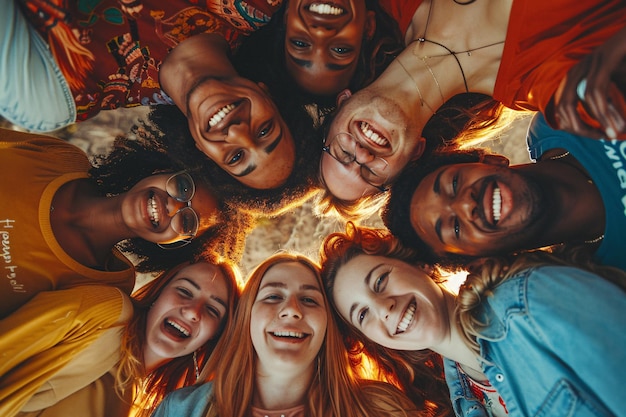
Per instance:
(289,334)
(497,204)
(371,135)
(322,8)
(217,117)
(178,327)
(406,320)
(153,212)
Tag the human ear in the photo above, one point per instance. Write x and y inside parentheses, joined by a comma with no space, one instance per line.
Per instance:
(495,159)
(419,149)
(264,87)
(370,25)
(343,96)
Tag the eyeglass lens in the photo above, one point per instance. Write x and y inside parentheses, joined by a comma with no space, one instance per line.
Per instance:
(343,148)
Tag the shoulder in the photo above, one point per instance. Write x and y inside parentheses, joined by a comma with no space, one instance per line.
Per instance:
(189,401)
(550,295)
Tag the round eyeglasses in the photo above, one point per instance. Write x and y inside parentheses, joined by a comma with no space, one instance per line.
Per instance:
(180,187)
(342,148)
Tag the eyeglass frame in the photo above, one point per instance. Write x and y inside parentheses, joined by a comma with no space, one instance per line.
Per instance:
(187,240)
(326,148)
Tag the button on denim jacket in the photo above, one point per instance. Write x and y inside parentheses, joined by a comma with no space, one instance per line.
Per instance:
(555,345)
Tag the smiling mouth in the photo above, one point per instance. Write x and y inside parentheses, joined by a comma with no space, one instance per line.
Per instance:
(176,329)
(291,335)
(372,135)
(407,318)
(153,212)
(220,114)
(326,9)
(496,205)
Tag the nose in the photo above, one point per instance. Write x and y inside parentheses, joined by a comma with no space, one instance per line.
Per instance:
(174,205)
(192,312)
(239,133)
(385,307)
(291,308)
(465,204)
(362,155)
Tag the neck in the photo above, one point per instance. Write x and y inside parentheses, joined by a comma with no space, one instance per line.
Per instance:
(84,223)
(454,346)
(575,205)
(276,389)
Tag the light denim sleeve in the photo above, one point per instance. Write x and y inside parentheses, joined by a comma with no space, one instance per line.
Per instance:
(33,92)
(185,402)
(556,341)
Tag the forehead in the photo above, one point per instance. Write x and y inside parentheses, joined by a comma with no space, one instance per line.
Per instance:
(291,274)
(207,276)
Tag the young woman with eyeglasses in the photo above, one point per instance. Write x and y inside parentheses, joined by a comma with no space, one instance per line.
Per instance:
(66,218)
(89,350)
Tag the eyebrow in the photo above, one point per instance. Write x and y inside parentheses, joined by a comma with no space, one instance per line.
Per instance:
(212,297)
(308,64)
(283,285)
(367,280)
(436,190)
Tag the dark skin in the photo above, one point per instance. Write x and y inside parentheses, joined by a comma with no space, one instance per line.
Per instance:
(450,221)
(88,225)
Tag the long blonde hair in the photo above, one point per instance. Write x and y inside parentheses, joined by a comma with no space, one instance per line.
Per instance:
(490,272)
(149,389)
(335,391)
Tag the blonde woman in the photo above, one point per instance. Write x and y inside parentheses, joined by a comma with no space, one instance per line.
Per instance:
(526,336)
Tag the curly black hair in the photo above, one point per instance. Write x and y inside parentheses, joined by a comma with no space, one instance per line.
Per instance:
(396,214)
(139,155)
(170,127)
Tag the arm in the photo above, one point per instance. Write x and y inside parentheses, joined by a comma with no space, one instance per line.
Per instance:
(603,78)
(565,329)
(44,335)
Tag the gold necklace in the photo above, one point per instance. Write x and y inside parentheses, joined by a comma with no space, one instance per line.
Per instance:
(419,92)
(450,52)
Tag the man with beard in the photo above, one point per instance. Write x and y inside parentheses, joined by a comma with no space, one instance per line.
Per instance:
(459,205)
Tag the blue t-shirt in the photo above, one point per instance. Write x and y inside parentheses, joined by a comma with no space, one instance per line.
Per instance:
(553,346)
(186,402)
(605,162)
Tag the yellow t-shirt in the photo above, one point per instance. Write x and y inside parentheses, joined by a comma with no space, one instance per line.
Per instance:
(59,344)
(33,168)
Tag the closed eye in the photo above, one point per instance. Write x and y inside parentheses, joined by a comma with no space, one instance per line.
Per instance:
(455,183)
(213,311)
(184,292)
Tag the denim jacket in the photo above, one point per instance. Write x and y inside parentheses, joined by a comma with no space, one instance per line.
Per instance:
(554,345)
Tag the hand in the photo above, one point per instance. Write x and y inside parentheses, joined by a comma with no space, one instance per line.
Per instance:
(594,83)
